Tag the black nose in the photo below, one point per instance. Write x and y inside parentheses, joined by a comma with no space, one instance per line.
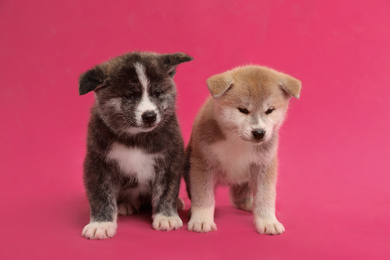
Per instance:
(258,134)
(149,117)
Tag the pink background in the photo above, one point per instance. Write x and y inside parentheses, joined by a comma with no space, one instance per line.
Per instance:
(333,189)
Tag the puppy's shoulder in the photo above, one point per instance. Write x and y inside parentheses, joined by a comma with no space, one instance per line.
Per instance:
(206,129)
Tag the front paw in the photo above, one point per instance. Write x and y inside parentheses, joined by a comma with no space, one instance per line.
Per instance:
(166,223)
(99,230)
(202,226)
(269,226)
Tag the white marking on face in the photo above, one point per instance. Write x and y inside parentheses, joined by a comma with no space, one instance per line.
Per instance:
(261,122)
(145,104)
(143,79)
(134,161)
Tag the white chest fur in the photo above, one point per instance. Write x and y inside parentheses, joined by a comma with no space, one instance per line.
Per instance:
(133,161)
(234,160)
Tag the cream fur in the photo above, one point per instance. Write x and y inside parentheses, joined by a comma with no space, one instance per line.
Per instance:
(225,151)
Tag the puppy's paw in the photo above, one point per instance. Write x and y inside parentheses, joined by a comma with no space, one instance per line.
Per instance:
(166,223)
(202,226)
(245,204)
(125,209)
(180,204)
(99,230)
(269,226)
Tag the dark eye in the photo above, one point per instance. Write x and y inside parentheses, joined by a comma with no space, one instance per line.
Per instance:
(243,110)
(157,93)
(129,95)
(269,110)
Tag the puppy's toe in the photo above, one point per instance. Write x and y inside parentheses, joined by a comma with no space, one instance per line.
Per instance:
(166,223)
(99,230)
(269,226)
(202,226)
(175,223)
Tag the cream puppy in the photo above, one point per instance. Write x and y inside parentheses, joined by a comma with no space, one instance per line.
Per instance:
(234,142)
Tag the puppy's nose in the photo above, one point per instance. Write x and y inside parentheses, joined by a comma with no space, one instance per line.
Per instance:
(149,117)
(258,134)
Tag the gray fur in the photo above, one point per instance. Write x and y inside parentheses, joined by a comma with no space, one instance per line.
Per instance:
(105,182)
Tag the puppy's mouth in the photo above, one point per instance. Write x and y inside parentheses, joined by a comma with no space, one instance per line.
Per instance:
(148,128)
(253,140)
(257,142)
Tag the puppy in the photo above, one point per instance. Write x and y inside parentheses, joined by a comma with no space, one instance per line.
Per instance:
(135,149)
(234,141)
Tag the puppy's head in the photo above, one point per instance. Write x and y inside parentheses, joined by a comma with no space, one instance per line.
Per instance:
(134,92)
(251,102)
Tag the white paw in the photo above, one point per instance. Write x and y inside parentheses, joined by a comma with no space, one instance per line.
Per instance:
(246,205)
(269,226)
(125,209)
(202,226)
(165,223)
(99,230)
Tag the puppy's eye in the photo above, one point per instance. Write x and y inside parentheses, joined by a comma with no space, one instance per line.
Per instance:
(269,110)
(129,95)
(157,93)
(243,110)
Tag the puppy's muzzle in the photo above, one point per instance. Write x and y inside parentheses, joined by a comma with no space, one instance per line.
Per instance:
(149,117)
(258,134)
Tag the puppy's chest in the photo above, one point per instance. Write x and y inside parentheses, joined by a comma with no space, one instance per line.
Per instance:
(234,160)
(134,161)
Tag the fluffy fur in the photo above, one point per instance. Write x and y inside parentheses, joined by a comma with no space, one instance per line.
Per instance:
(234,142)
(134,148)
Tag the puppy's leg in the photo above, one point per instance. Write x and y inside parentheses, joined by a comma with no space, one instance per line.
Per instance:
(102,194)
(241,196)
(202,198)
(264,189)
(164,200)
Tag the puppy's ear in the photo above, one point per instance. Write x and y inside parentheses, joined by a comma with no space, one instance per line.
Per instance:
(219,84)
(175,59)
(91,80)
(291,85)
(172,60)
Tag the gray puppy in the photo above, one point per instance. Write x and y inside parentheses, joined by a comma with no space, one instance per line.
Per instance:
(135,147)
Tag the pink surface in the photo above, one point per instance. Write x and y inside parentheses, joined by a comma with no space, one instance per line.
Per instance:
(333,190)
